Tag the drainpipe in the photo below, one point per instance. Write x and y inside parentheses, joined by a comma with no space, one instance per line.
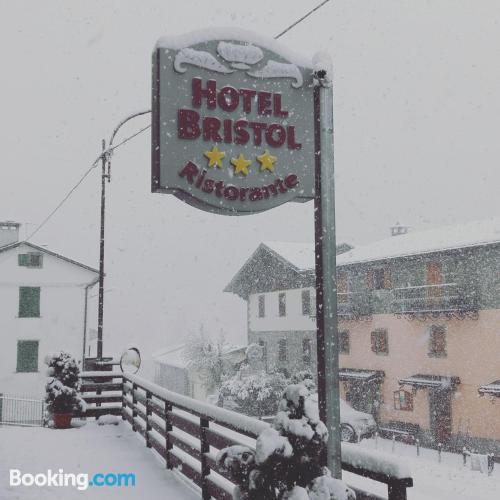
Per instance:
(85,308)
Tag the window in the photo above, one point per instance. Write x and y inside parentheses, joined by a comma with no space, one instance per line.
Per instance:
(306,302)
(379,279)
(403,400)
(263,345)
(344,342)
(29,302)
(31,259)
(27,355)
(282,304)
(342,287)
(437,341)
(282,348)
(380,342)
(262,306)
(306,350)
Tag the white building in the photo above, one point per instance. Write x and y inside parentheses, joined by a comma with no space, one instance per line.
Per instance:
(43,302)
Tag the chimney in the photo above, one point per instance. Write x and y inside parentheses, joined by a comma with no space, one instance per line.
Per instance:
(9,233)
(399,229)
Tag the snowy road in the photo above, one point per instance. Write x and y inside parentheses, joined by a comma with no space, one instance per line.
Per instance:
(447,480)
(90,449)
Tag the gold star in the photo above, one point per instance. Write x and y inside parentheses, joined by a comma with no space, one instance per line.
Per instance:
(241,164)
(267,161)
(214,157)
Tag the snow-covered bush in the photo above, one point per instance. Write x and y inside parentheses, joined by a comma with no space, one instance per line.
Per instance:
(208,358)
(304,377)
(62,366)
(256,394)
(62,389)
(62,399)
(287,461)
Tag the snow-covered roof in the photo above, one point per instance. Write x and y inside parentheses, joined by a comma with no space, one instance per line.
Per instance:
(432,381)
(471,234)
(364,375)
(11,246)
(432,240)
(174,355)
(301,255)
(493,389)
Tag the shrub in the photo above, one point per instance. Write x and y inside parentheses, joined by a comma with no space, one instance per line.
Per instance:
(287,461)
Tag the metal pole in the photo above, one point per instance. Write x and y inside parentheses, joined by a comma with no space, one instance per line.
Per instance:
(326,290)
(101,254)
(106,159)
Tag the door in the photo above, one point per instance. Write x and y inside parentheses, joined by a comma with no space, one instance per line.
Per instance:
(440,415)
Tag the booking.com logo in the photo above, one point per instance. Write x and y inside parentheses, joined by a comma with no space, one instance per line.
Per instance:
(68,479)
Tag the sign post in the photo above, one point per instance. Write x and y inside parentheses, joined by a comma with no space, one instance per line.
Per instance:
(239,126)
(326,289)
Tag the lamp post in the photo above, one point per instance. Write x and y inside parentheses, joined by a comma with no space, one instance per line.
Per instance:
(106,161)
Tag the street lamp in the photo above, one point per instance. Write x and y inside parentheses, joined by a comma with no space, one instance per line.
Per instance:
(106,160)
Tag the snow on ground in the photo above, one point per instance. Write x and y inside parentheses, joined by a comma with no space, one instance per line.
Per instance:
(448,480)
(87,449)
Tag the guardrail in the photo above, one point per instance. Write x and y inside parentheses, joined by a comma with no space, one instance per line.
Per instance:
(188,433)
(442,298)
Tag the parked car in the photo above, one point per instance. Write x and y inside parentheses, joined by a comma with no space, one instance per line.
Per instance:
(354,425)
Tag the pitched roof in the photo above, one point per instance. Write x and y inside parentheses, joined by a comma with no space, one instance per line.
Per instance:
(471,234)
(48,252)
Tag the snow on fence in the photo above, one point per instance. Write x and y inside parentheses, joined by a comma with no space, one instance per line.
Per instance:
(188,433)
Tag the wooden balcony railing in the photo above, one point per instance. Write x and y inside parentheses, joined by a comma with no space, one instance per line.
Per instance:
(188,433)
(443,298)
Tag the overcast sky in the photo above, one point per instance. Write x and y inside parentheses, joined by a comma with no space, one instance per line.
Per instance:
(417,121)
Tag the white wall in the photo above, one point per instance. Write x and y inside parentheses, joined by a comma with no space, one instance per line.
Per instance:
(60,325)
(293,320)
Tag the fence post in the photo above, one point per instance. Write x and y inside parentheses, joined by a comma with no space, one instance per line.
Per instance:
(393,442)
(440,447)
(204,448)
(397,490)
(464,455)
(124,396)
(417,441)
(168,429)
(1,406)
(134,406)
(148,417)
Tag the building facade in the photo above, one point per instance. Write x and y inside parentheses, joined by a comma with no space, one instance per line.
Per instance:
(418,327)
(43,309)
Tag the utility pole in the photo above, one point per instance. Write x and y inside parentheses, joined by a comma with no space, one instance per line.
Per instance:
(100,316)
(106,161)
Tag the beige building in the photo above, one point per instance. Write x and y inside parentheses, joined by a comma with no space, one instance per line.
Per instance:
(419,327)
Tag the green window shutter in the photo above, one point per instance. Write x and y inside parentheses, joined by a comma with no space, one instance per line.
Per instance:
(22,259)
(29,302)
(27,355)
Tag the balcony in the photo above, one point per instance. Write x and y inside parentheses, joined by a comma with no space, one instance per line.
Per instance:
(354,305)
(448,299)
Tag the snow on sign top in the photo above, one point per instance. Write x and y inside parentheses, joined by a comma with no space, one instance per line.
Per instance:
(233,122)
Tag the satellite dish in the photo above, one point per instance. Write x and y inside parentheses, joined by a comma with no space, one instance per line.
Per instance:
(130,362)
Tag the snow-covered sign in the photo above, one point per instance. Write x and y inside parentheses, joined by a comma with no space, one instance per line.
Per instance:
(233,122)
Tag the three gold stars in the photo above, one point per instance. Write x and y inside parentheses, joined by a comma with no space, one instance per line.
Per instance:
(240,164)
(214,157)
(267,161)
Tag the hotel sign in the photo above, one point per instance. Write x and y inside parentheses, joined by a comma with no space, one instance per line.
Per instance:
(233,122)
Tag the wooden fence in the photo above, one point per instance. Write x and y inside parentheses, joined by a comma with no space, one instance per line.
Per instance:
(188,433)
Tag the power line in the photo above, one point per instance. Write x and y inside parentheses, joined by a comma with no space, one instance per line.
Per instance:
(305,16)
(82,178)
